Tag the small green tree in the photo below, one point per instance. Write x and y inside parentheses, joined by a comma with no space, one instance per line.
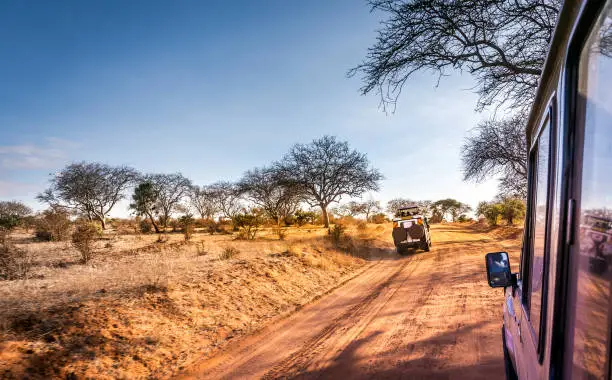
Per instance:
(493,212)
(145,202)
(512,209)
(248,223)
(12,214)
(302,217)
(187,224)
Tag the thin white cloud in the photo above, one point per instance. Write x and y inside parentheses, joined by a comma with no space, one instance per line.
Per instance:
(31,157)
(11,189)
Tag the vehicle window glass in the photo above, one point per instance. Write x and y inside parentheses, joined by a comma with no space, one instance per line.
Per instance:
(594,240)
(538,239)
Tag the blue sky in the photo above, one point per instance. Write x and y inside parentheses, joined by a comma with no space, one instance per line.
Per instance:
(212,89)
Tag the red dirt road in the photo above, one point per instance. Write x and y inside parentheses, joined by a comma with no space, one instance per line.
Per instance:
(428,315)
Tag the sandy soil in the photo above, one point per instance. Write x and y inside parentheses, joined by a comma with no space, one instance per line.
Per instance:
(428,315)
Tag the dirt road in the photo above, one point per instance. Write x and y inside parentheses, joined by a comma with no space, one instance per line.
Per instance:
(428,315)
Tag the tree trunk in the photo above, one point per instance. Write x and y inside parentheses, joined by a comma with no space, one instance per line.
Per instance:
(152,219)
(325,216)
(103,222)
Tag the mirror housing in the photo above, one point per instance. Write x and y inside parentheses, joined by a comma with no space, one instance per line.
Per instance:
(498,269)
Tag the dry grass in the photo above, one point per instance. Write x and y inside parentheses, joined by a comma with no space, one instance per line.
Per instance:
(141,307)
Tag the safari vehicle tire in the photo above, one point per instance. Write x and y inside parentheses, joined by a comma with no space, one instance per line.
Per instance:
(510,372)
(402,250)
(424,244)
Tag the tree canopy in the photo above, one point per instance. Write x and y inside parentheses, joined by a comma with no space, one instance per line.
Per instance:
(326,170)
(90,188)
(498,148)
(502,44)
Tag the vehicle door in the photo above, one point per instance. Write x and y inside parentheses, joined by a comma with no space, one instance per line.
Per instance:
(590,209)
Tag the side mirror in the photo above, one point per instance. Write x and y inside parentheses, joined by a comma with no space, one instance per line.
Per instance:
(498,269)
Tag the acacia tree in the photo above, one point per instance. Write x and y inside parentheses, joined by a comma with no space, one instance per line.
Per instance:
(228,198)
(170,189)
(326,170)
(395,204)
(449,206)
(145,202)
(502,44)
(90,188)
(371,207)
(498,148)
(12,214)
(203,199)
(264,187)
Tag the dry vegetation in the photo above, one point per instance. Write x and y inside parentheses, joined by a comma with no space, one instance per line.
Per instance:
(142,308)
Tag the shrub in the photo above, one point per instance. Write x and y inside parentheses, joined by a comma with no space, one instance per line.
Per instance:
(187,224)
(463,218)
(15,264)
(248,223)
(362,226)
(278,231)
(379,218)
(303,217)
(84,238)
(145,226)
(12,214)
(228,253)
(336,233)
(512,209)
(53,225)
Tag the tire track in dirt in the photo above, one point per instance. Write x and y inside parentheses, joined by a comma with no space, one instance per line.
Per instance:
(342,331)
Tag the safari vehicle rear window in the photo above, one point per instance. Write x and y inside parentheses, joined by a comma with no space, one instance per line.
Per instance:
(593,255)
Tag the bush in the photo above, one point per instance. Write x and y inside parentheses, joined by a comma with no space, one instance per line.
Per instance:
(53,225)
(303,217)
(145,226)
(15,264)
(362,226)
(84,238)
(463,218)
(187,224)
(278,231)
(228,253)
(336,233)
(249,224)
(378,218)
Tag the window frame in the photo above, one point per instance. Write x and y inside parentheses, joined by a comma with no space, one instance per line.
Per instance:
(549,117)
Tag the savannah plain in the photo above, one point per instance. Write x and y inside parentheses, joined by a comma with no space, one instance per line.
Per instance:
(308,305)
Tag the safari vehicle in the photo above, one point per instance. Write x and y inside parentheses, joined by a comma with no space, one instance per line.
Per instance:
(557,314)
(410,230)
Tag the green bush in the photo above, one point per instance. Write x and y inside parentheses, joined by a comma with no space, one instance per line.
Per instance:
(336,233)
(248,224)
(303,217)
(187,224)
